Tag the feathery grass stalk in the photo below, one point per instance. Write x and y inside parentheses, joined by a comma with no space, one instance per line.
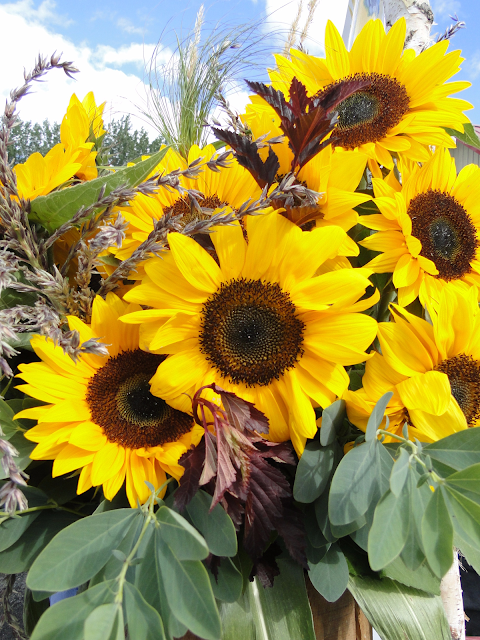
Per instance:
(182,92)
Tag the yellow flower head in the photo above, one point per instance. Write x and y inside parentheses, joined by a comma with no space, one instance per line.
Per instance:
(428,228)
(406,105)
(259,322)
(101,417)
(432,369)
(226,189)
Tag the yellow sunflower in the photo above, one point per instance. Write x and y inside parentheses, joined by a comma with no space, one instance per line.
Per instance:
(260,323)
(432,369)
(228,188)
(73,156)
(332,175)
(101,417)
(428,228)
(406,105)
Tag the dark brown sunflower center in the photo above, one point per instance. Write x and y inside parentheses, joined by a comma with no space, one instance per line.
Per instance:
(368,115)
(446,231)
(250,331)
(120,402)
(189,213)
(464,375)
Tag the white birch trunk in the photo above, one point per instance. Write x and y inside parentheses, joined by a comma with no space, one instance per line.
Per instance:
(451,594)
(419,17)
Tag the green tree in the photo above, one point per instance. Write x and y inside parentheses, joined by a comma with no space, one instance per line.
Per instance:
(124,145)
(29,138)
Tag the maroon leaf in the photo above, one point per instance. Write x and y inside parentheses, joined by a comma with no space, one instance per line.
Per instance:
(275,99)
(192,461)
(246,153)
(298,97)
(210,465)
(241,413)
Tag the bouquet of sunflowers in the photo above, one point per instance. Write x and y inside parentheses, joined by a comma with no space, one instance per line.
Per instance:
(240,378)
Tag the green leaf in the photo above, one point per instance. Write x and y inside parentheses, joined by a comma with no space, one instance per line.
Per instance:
(465,516)
(313,472)
(467,479)
(182,538)
(332,419)
(360,479)
(188,590)
(314,533)
(66,619)
(399,472)
(281,612)
(149,581)
(376,417)
(437,534)
(422,578)
(228,584)
(215,526)
(141,617)
(79,551)
(105,623)
(398,612)
(413,553)
(8,425)
(472,554)
(329,576)
(58,207)
(389,529)
(469,137)
(237,620)
(460,450)
(13,528)
(20,556)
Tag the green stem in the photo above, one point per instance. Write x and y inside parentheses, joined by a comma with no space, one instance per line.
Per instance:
(42,508)
(385,300)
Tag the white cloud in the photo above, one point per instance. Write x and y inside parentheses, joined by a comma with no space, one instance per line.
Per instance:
(126,25)
(282,13)
(45,14)
(473,65)
(28,36)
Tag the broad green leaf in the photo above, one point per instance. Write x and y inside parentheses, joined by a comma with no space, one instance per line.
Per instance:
(399,473)
(330,575)
(413,554)
(465,516)
(149,581)
(216,526)
(182,538)
(468,137)
(360,479)
(314,533)
(237,619)
(422,578)
(8,425)
(105,623)
(437,534)
(376,417)
(188,590)
(79,551)
(20,556)
(332,419)
(13,528)
(323,520)
(313,472)
(281,612)
(52,210)
(460,450)
(141,617)
(66,619)
(228,583)
(398,612)
(389,529)
(467,479)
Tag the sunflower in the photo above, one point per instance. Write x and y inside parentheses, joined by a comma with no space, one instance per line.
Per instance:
(428,228)
(101,417)
(432,369)
(73,156)
(226,189)
(406,104)
(260,323)
(335,177)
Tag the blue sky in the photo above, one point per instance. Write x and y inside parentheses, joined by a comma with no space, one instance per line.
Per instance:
(110,42)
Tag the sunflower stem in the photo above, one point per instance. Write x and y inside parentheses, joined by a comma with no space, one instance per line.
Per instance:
(42,508)
(386,298)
